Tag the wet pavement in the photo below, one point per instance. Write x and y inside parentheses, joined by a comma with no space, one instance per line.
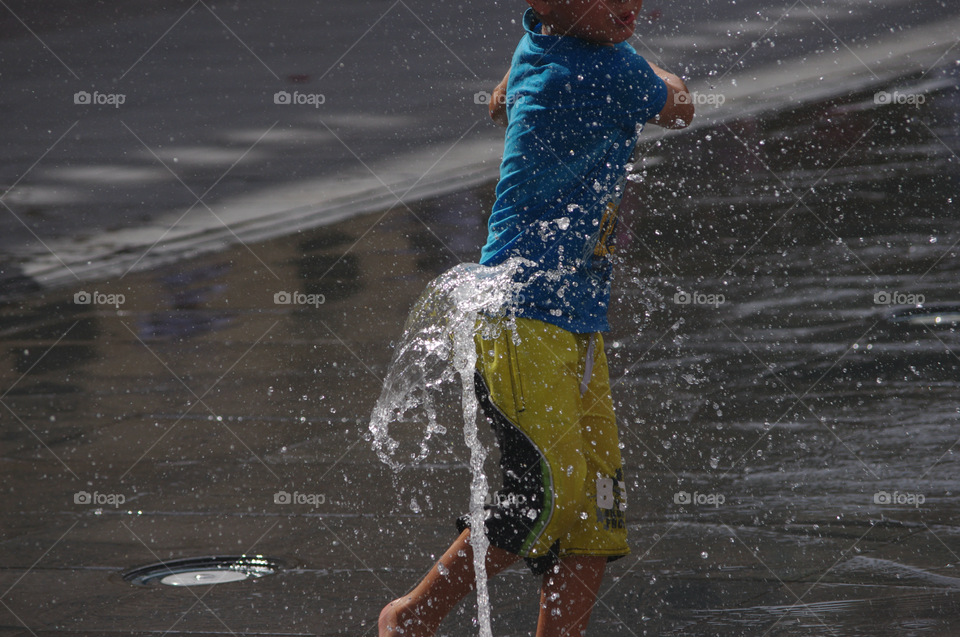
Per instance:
(779,429)
(199,154)
(782,399)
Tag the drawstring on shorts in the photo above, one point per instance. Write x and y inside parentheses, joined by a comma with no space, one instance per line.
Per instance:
(588,366)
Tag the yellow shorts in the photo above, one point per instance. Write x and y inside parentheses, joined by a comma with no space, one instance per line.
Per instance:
(548,400)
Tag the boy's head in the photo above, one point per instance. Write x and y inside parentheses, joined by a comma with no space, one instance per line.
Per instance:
(598,21)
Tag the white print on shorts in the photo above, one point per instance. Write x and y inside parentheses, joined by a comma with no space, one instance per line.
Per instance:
(605,499)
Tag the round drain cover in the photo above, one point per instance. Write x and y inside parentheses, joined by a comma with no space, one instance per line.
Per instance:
(204,571)
(932,315)
(199,578)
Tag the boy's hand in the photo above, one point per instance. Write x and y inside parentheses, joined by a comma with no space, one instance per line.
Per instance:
(678,111)
(498,102)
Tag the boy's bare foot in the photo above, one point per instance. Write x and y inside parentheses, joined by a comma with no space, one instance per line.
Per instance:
(420,612)
(398,619)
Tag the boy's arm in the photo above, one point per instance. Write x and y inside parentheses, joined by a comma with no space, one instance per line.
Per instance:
(678,111)
(498,102)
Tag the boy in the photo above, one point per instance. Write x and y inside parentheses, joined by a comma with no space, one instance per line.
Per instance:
(574,101)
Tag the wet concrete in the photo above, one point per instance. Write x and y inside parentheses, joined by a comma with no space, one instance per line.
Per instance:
(794,398)
(199,154)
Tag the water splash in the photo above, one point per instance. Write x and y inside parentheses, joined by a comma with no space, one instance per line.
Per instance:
(437,344)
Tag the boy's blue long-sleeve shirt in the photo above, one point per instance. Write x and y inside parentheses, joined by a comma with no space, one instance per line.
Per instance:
(575,110)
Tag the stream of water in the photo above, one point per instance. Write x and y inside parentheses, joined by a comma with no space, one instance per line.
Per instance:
(437,345)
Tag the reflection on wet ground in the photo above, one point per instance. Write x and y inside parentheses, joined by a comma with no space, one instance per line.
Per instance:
(779,430)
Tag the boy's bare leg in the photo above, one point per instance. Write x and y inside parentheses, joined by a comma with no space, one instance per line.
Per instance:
(567,597)
(420,612)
